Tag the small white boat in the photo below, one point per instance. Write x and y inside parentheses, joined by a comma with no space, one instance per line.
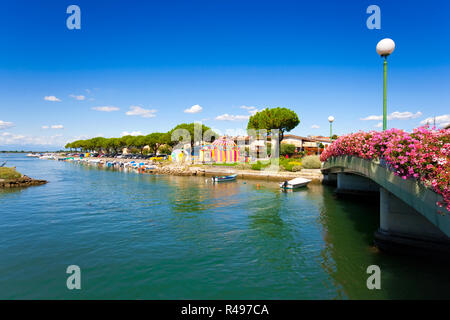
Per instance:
(294,183)
(47,157)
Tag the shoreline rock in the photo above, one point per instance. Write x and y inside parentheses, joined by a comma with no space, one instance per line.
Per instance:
(21,182)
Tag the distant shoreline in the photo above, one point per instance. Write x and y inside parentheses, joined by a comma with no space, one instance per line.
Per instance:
(15,151)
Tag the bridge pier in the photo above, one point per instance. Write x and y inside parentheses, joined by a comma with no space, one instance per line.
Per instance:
(404,230)
(329,178)
(352,184)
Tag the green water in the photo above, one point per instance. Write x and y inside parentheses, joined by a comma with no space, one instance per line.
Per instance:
(163,237)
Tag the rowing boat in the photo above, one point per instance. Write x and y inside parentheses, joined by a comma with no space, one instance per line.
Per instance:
(225,178)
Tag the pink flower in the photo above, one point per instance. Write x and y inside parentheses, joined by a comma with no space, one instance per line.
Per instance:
(423,154)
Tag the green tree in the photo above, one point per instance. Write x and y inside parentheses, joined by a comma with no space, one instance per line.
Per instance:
(128,141)
(165,149)
(287,149)
(140,143)
(114,145)
(190,128)
(156,139)
(282,119)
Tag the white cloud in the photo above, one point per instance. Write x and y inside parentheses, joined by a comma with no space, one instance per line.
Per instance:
(55,126)
(252,110)
(80,97)
(395,116)
(194,109)
(229,117)
(378,118)
(133,133)
(5,124)
(139,111)
(315,126)
(52,98)
(441,121)
(404,115)
(106,108)
(378,125)
(7,138)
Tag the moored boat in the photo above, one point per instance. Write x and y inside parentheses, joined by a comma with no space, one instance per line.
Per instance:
(294,183)
(230,177)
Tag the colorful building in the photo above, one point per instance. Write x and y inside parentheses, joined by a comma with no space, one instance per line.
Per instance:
(224,150)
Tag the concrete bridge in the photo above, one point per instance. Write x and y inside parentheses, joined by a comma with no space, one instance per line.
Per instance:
(409,216)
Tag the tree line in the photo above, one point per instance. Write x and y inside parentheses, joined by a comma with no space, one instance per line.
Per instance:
(156,141)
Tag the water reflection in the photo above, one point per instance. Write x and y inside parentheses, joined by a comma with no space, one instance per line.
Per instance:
(348,228)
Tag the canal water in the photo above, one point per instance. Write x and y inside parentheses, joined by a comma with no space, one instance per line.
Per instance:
(164,237)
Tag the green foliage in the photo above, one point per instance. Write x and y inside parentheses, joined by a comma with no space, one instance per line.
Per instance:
(269,148)
(190,127)
(256,166)
(259,165)
(311,162)
(9,173)
(296,168)
(134,150)
(165,149)
(286,149)
(282,119)
(289,164)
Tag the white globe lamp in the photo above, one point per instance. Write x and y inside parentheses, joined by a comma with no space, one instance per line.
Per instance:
(385,47)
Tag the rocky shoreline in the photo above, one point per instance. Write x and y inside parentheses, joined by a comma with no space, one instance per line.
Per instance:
(21,182)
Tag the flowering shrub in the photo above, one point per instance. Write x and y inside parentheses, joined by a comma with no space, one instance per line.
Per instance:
(423,154)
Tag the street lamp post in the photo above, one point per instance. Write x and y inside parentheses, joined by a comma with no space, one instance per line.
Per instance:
(384,48)
(331,119)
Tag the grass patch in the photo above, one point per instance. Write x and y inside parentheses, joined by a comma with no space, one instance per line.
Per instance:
(260,165)
(9,173)
(225,164)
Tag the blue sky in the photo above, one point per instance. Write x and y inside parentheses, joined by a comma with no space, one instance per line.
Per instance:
(163,57)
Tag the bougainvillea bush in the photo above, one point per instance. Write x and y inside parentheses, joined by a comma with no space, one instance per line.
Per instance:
(423,154)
